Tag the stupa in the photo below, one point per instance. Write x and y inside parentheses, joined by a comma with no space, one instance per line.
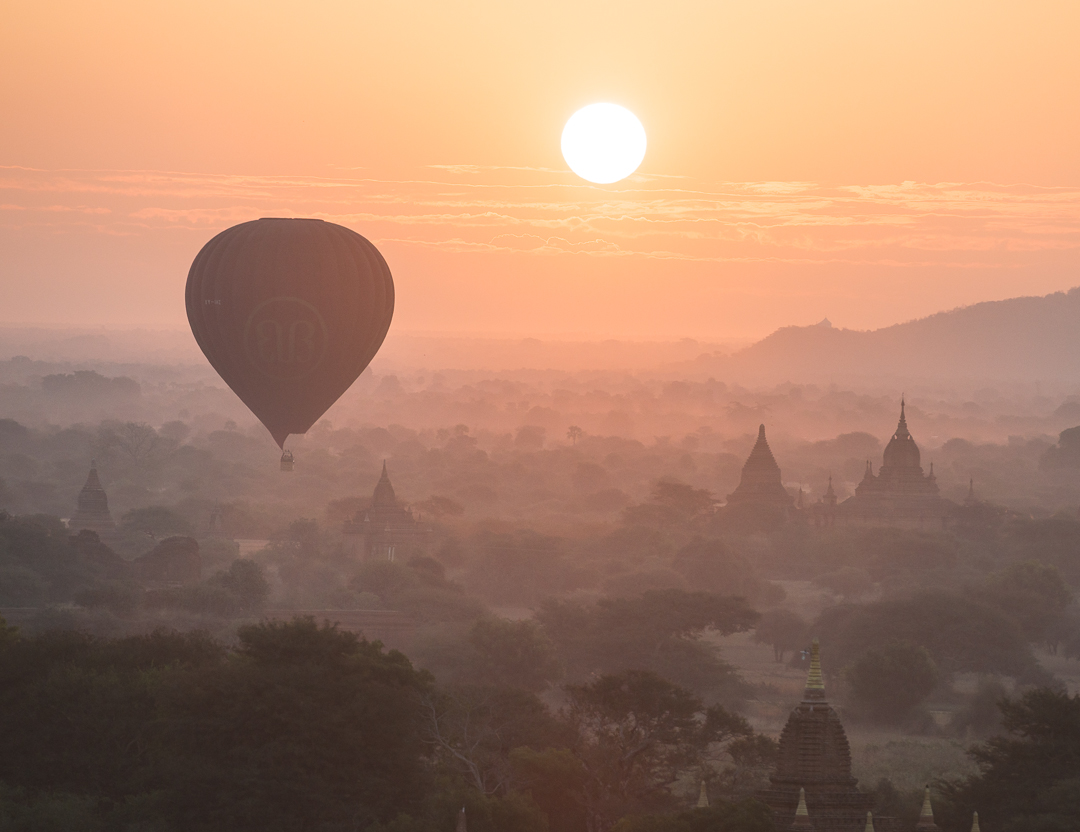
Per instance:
(813,769)
(385,529)
(760,499)
(900,493)
(93,508)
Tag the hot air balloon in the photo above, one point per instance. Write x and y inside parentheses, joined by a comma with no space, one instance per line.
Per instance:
(289,312)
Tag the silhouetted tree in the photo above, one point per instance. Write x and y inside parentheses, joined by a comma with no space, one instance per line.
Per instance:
(635,734)
(1030,775)
(782,630)
(657,631)
(888,682)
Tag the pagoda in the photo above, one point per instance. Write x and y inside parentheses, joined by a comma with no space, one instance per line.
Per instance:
(93,508)
(900,493)
(385,529)
(760,499)
(812,787)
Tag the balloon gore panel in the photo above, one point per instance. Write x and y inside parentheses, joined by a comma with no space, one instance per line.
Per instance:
(289,312)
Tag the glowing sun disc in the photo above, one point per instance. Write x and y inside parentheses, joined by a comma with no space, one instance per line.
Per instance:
(603,143)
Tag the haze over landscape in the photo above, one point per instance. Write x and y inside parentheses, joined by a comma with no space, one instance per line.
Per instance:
(741,494)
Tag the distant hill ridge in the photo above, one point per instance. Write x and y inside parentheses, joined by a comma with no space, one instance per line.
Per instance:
(1026,338)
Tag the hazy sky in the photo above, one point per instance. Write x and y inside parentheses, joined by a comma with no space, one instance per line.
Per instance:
(866,161)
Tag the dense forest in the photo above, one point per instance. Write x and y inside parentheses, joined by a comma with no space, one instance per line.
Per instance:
(583,634)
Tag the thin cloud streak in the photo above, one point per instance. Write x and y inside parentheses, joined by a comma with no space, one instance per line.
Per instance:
(953,225)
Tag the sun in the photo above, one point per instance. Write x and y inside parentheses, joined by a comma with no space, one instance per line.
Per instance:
(603,143)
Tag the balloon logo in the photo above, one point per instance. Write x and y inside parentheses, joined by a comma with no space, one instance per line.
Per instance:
(289,312)
(286,338)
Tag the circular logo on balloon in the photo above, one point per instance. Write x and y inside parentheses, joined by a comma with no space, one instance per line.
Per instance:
(286,338)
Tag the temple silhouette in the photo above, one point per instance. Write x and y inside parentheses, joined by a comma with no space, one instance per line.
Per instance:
(385,529)
(92,510)
(760,498)
(899,494)
(812,786)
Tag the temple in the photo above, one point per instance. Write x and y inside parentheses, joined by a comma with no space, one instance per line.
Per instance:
(812,787)
(385,529)
(93,508)
(760,496)
(899,494)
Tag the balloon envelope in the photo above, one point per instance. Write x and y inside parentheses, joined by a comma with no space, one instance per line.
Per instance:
(289,312)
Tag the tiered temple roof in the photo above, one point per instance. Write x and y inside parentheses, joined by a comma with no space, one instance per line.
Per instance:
(760,482)
(93,507)
(386,529)
(900,491)
(813,769)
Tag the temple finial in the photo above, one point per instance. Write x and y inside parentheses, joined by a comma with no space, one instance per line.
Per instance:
(975,822)
(461,827)
(869,822)
(926,816)
(703,797)
(901,427)
(802,816)
(815,682)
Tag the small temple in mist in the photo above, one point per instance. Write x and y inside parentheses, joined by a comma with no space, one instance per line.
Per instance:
(385,529)
(92,510)
(900,493)
(760,497)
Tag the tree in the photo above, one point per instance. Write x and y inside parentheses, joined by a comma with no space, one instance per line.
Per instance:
(658,631)
(475,729)
(246,580)
(961,633)
(888,682)
(1035,595)
(1030,775)
(671,502)
(156,521)
(138,441)
(782,630)
(513,654)
(574,433)
(709,565)
(635,734)
(308,728)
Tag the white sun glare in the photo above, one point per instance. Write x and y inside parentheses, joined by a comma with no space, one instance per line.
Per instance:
(603,143)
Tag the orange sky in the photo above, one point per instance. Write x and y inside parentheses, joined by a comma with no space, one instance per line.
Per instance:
(865,161)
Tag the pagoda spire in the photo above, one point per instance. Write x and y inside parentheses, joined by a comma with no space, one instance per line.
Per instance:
(703,797)
(926,816)
(901,427)
(461,827)
(384,491)
(802,817)
(869,822)
(815,682)
(975,822)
